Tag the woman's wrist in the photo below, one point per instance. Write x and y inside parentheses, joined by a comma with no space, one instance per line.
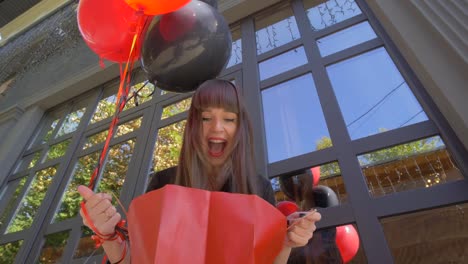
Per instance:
(116,250)
(283,255)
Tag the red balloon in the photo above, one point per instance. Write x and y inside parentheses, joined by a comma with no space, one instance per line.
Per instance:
(156,7)
(108,27)
(287,207)
(347,241)
(315,175)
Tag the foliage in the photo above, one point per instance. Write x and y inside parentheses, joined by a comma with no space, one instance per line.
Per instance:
(12,200)
(112,178)
(32,201)
(71,122)
(8,251)
(58,150)
(330,168)
(176,108)
(168,144)
(53,247)
(383,155)
(400,151)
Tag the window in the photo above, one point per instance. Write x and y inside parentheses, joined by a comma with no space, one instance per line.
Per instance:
(340,125)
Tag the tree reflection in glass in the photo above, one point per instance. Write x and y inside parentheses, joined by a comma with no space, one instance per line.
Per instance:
(176,108)
(28,207)
(12,200)
(121,130)
(69,206)
(128,127)
(71,122)
(112,178)
(139,93)
(116,167)
(418,164)
(50,131)
(8,251)
(167,150)
(58,150)
(105,109)
(28,161)
(86,246)
(53,247)
(95,139)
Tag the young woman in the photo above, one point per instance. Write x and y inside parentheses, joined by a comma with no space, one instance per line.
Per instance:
(217,155)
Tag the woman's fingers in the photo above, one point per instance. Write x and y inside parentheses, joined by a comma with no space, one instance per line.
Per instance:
(85,192)
(301,231)
(296,240)
(101,212)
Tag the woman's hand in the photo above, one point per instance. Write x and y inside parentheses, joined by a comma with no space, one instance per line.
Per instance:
(301,230)
(298,235)
(101,212)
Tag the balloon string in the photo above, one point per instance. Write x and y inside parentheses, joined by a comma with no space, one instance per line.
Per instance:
(121,100)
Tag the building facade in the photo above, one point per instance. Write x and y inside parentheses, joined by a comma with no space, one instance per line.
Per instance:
(368,96)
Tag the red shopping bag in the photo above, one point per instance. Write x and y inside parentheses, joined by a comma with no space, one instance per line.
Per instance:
(183,225)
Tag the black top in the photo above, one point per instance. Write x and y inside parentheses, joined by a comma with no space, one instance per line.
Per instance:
(168,176)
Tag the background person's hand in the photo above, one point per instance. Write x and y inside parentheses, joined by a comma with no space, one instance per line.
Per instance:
(101,212)
(301,230)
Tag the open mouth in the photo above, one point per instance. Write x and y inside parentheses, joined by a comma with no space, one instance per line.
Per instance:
(216,147)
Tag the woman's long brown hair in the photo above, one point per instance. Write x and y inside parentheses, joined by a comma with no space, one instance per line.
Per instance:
(193,169)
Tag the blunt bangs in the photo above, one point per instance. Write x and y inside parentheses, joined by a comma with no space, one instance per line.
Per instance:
(217,94)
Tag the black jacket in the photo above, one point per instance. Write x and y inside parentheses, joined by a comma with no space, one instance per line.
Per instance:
(167,176)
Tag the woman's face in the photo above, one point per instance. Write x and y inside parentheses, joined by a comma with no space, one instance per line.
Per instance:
(219,129)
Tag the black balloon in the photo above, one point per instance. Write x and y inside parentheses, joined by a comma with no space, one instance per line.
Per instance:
(213,3)
(184,48)
(324,196)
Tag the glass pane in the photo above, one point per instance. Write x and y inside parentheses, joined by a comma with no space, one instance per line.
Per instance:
(282,63)
(50,130)
(28,161)
(128,127)
(95,139)
(58,150)
(28,207)
(53,247)
(8,251)
(294,121)
(418,164)
(112,178)
(86,246)
(139,93)
(70,203)
(275,30)
(346,38)
(236,50)
(325,248)
(328,13)
(176,108)
(104,109)
(122,129)
(372,94)
(167,150)
(9,208)
(116,167)
(71,122)
(320,186)
(432,236)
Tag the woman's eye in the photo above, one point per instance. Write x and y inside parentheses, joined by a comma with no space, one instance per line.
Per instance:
(205,119)
(229,119)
